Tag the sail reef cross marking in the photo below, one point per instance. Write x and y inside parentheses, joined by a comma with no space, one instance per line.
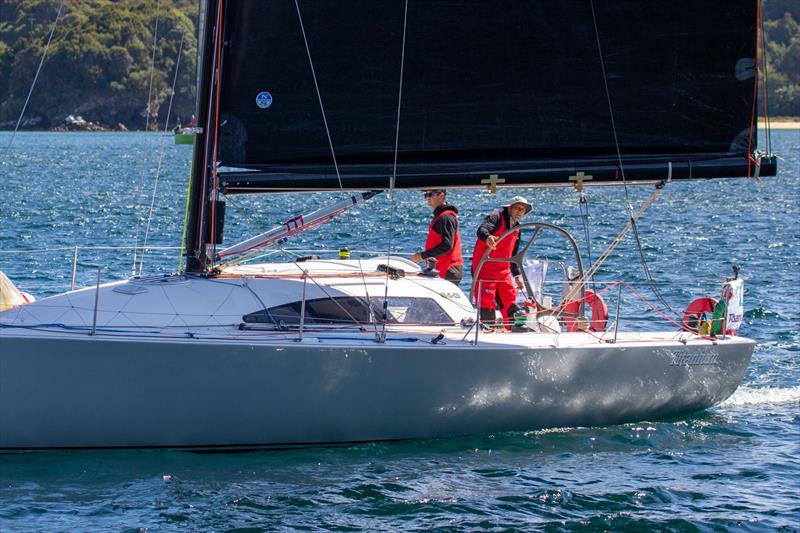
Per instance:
(579,178)
(491,183)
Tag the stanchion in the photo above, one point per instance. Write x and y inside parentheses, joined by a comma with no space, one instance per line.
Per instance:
(74,267)
(478,307)
(303,308)
(96,301)
(616,320)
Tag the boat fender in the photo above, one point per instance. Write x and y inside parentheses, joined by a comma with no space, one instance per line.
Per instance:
(694,317)
(596,305)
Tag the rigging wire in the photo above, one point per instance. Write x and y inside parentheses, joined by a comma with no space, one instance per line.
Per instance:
(394,169)
(590,272)
(319,95)
(161,156)
(767,127)
(752,133)
(36,76)
(308,276)
(621,169)
(399,99)
(140,186)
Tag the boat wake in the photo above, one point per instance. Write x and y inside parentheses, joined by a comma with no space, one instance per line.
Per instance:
(763,396)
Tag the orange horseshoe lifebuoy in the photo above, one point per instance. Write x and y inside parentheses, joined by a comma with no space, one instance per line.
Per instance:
(695,311)
(596,305)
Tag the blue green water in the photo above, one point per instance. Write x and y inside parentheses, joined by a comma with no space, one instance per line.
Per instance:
(734,467)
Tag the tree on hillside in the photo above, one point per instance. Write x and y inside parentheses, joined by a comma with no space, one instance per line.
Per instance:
(100,63)
(783,61)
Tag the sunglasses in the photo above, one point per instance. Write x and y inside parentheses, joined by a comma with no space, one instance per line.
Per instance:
(429,194)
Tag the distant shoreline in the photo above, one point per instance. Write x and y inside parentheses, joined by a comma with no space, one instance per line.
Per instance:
(780,123)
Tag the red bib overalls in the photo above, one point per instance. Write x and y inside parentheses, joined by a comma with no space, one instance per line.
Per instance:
(494,278)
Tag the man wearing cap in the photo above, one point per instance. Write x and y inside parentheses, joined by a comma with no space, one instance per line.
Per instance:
(443,242)
(495,280)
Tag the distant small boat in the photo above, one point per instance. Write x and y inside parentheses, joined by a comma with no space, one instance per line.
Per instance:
(184,136)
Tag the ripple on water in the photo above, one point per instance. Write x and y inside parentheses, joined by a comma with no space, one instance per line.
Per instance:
(733,467)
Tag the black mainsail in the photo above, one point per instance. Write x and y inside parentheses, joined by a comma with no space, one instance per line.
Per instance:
(515,92)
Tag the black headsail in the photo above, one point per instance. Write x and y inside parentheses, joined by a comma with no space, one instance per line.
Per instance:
(509,92)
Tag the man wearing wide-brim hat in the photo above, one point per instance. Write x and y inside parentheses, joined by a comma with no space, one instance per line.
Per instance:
(498,281)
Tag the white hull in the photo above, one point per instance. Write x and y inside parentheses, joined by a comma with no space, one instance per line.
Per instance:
(90,392)
(169,366)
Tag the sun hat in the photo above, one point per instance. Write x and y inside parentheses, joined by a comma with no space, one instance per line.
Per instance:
(520,200)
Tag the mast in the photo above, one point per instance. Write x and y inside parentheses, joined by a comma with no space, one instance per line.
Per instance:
(201,195)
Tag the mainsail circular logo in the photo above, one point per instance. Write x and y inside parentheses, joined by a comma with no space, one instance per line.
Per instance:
(264,100)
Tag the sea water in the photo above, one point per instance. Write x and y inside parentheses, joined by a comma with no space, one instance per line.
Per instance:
(735,466)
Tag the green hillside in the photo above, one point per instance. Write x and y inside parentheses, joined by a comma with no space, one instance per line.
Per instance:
(99,62)
(782,29)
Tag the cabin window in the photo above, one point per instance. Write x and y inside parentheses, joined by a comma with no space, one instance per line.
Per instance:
(340,310)
(349,310)
(412,310)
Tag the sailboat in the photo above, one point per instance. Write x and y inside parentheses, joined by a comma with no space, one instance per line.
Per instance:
(361,97)
(184,136)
